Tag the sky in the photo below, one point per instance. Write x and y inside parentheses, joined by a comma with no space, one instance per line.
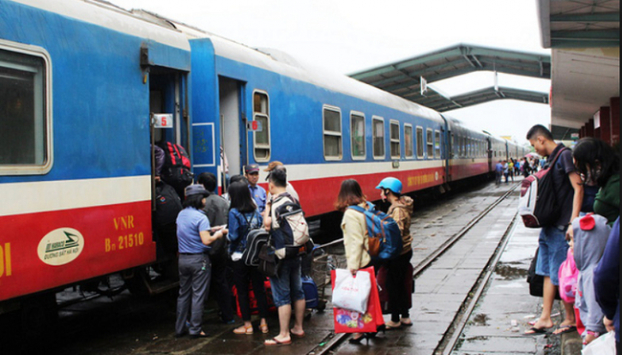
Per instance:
(348,36)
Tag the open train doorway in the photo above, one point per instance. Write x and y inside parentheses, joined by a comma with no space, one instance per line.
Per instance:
(232,130)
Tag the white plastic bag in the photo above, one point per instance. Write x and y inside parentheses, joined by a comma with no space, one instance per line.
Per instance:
(604,345)
(351,293)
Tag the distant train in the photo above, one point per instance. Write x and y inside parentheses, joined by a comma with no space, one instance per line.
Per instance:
(84,89)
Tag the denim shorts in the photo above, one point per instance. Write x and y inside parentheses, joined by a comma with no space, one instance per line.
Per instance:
(553,251)
(287,285)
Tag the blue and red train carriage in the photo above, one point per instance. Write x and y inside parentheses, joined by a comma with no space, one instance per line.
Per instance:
(79,82)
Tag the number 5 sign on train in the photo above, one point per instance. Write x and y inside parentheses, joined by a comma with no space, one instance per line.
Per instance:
(163,120)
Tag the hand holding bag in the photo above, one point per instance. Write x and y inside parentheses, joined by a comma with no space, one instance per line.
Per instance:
(346,321)
(351,293)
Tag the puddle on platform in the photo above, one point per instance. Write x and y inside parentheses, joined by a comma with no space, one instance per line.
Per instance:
(509,272)
(480,319)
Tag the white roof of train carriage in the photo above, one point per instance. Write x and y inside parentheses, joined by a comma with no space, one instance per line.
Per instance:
(282,63)
(106,15)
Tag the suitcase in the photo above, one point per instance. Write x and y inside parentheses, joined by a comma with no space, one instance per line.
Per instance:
(409,284)
(310,290)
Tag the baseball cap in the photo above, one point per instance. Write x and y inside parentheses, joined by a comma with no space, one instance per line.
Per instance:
(195,189)
(251,168)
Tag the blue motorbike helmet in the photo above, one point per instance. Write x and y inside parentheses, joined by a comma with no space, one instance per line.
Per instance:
(392,184)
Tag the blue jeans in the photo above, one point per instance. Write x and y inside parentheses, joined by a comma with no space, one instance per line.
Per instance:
(552,253)
(287,284)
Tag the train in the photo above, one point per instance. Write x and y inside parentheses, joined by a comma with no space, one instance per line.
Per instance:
(87,89)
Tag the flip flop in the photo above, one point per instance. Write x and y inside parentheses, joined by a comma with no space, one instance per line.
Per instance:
(534,330)
(299,335)
(275,341)
(565,329)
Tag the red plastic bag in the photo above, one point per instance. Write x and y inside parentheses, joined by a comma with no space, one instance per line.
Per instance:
(354,322)
(253,300)
(568,275)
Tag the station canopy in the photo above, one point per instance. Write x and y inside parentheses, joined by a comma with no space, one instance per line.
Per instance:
(404,78)
(584,37)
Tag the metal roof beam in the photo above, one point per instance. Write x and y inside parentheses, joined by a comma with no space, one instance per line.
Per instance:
(596,17)
(587,35)
(415,74)
(478,51)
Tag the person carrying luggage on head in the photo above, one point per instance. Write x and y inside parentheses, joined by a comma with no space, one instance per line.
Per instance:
(400,210)
(244,217)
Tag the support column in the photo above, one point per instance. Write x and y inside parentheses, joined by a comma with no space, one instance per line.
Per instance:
(589,128)
(614,103)
(605,124)
(582,132)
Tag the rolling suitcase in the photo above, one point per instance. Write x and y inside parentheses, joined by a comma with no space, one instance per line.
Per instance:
(310,290)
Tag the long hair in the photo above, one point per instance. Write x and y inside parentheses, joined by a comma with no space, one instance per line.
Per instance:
(596,159)
(241,198)
(350,194)
(194,201)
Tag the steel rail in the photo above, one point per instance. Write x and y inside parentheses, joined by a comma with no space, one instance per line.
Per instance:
(334,340)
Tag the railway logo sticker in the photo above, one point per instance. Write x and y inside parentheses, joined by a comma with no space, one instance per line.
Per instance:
(61,246)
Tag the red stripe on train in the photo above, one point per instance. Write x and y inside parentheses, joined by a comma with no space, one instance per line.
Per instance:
(45,250)
(318,196)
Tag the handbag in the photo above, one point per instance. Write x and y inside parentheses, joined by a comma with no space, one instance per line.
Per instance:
(346,321)
(268,262)
(536,282)
(350,292)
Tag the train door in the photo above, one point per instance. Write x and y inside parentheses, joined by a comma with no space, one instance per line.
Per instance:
(233,135)
(489,150)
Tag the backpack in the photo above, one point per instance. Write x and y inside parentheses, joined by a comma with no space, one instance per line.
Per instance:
(176,170)
(168,205)
(292,236)
(255,239)
(537,205)
(385,237)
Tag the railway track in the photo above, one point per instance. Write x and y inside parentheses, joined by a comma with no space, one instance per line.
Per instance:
(333,341)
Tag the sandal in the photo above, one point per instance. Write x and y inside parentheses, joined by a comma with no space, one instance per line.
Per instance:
(244,330)
(275,341)
(406,322)
(264,328)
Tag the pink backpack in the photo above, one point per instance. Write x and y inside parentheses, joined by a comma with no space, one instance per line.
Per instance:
(568,275)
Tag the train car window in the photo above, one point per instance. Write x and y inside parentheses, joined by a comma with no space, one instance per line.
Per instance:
(395,139)
(430,143)
(408,141)
(419,142)
(453,146)
(25,116)
(261,113)
(332,133)
(378,137)
(357,133)
(437,144)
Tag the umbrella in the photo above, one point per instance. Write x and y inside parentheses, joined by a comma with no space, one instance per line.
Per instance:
(533,155)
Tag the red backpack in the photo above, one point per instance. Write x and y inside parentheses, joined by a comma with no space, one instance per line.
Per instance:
(176,170)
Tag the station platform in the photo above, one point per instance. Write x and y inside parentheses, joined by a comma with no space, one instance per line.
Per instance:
(495,326)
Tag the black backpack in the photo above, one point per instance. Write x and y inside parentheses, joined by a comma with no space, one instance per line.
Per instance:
(176,170)
(537,204)
(255,240)
(168,205)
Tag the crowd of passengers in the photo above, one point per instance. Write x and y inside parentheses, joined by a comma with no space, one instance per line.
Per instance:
(212,230)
